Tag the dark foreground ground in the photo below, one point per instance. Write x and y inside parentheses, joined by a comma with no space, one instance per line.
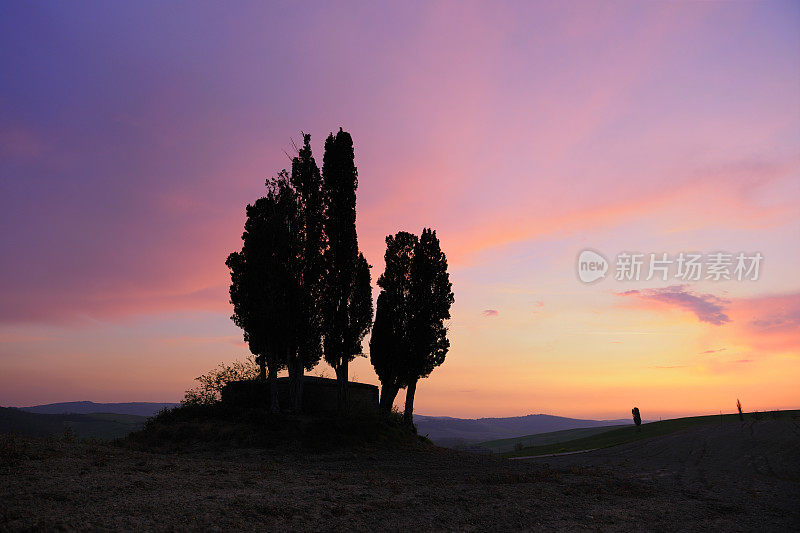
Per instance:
(727,477)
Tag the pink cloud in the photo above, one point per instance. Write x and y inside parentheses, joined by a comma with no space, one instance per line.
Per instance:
(769,323)
(765,324)
(490,312)
(707,307)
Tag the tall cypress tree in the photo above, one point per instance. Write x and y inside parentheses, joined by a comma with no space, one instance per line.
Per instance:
(307,350)
(389,344)
(263,283)
(347,298)
(430,299)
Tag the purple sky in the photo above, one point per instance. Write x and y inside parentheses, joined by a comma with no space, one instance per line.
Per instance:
(133,134)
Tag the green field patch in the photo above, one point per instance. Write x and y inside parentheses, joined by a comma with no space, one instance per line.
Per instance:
(543,439)
(625,434)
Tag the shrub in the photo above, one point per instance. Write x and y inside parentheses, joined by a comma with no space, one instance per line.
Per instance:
(211,383)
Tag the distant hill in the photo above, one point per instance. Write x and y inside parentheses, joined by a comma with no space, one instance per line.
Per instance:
(446,431)
(97,425)
(145,409)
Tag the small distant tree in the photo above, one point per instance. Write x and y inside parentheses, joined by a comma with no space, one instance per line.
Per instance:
(739,408)
(637,418)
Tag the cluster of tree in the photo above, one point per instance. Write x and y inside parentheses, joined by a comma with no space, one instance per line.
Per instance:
(301,289)
(409,338)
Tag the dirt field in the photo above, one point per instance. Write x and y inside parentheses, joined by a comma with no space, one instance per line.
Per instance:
(727,477)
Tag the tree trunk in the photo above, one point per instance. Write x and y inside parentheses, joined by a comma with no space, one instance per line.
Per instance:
(262,368)
(341,377)
(274,406)
(408,415)
(298,387)
(295,381)
(388,394)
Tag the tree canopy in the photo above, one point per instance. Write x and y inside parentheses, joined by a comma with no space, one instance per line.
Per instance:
(390,342)
(264,286)
(410,337)
(301,289)
(347,307)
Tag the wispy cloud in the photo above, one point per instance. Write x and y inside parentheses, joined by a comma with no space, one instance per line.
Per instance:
(769,323)
(713,351)
(707,307)
(490,312)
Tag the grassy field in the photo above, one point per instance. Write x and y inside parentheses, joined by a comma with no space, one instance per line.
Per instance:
(543,439)
(627,434)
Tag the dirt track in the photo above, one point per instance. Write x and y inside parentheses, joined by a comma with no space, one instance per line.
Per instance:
(718,477)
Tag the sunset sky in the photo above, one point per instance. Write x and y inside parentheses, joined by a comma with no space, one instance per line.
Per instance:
(132,135)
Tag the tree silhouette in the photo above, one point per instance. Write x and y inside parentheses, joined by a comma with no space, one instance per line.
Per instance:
(430,300)
(347,299)
(263,279)
(245,314)
(389,344)
(739,408)
(308,232)
(637,419)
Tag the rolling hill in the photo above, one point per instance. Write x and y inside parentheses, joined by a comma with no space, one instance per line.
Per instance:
(97,425)
(451,432)
(129,408)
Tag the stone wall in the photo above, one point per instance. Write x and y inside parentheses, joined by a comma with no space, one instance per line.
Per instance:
(320,395)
